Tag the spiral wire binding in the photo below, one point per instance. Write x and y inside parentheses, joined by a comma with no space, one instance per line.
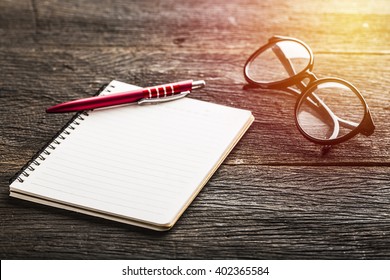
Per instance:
(51,145)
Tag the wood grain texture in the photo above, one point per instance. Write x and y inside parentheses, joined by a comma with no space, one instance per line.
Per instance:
(275,197)
(276,212)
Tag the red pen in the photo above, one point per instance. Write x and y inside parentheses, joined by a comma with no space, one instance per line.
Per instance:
(143,95)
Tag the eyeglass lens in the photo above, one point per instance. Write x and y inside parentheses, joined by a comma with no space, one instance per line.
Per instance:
(330,110)
(279,61)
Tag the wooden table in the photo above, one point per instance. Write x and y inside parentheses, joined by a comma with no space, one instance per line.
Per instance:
(275,197)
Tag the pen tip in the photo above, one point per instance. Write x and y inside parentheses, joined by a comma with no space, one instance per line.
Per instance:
(198,84)
(54,109)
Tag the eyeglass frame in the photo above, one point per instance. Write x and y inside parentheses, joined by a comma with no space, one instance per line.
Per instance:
(365,127)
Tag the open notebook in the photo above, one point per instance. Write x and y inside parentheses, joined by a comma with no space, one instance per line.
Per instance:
(141,165)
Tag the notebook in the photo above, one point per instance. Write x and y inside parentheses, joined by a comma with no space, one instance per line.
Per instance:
(140,165)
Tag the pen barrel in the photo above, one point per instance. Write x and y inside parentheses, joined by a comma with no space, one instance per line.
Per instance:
(126,97)
(97,102)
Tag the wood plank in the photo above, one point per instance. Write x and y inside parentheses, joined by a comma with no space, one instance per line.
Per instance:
(243,212)
(42,78)
(17,23)
(16,15)
(201,24)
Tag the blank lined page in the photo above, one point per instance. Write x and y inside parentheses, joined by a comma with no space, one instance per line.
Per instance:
(144,163)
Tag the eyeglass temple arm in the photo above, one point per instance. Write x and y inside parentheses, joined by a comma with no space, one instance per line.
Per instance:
(288,66)
(286,62)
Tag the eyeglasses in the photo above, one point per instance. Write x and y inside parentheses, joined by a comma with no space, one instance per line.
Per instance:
(328,111)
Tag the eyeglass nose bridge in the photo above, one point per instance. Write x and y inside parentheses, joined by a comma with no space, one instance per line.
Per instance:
(299,81)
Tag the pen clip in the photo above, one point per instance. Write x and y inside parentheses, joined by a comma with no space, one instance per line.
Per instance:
(145,101)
